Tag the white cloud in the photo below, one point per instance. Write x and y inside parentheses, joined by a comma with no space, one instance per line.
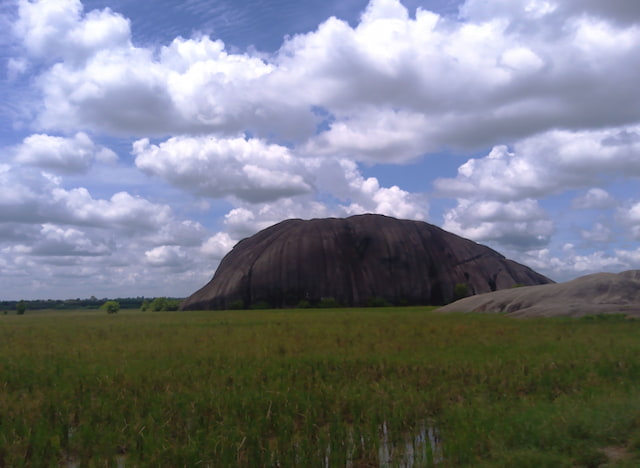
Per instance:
(176,232)
(375,135)
(571,263)
(37,198)
(246,220)
(631,258)
(594,199)
(419,83)
(520,225)
(367,196)
(55,241)
(16,66)
(629,216)
(551,11)
(166,256)
(599,234)
(59,30)
(217,246)
(64,155)
(363,196)
(206,166)
(58,241)
(546,164)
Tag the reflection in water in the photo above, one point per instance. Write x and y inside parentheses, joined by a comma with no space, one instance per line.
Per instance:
(424,448)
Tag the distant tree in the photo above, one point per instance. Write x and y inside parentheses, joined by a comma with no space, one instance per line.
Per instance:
(172,304)
(21,307)
(110,307)
(145,306)
(158,304)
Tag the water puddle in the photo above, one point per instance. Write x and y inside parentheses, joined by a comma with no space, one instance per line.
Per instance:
(423,448)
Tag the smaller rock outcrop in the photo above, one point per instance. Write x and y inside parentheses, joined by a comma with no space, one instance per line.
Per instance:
(599,293)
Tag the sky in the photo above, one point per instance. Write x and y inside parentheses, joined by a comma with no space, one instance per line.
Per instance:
(139,141)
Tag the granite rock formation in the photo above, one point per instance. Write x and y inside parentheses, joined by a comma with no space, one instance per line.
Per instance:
(355,261)
(599,293)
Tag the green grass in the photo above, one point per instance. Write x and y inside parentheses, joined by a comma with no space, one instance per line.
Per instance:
(331,387)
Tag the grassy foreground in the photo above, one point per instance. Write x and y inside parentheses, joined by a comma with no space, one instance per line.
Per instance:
(355,387)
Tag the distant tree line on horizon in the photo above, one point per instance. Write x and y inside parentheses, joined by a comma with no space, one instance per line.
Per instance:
(91,303)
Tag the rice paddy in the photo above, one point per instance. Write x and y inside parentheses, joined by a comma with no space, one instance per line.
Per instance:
(327,388)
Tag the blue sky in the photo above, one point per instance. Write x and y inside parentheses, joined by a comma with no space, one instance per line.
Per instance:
(138,144)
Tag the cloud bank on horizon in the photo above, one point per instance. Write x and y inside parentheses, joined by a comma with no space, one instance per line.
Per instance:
(130,164)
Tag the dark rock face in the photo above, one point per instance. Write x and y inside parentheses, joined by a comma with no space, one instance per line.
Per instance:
(353,261)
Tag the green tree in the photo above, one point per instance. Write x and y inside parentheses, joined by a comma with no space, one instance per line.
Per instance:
(21,308)
(163,304)
(110,307)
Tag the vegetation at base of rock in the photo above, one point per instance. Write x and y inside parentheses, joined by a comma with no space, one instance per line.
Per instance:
(161,304)
(298,387)
(378,302)
(327,303)
(110,307)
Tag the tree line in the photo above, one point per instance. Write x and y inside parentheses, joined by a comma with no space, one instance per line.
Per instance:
(143,303)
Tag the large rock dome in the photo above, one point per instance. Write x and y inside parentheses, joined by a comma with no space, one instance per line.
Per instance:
(354,261)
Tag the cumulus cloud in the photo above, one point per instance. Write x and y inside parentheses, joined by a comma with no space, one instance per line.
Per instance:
(247,169)
(37,198)
(176,232)
(545,164)
(166,256)
(536,168)
(519,225)
(570,263)
(60,30)
(552,11)
(217,246)
(629,216)
(429,81)
(598,234)
(58,241)
(375,135)
(594,199)
(246,220)
(60,154)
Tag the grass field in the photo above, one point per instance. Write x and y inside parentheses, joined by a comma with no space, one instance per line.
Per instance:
(351,387)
